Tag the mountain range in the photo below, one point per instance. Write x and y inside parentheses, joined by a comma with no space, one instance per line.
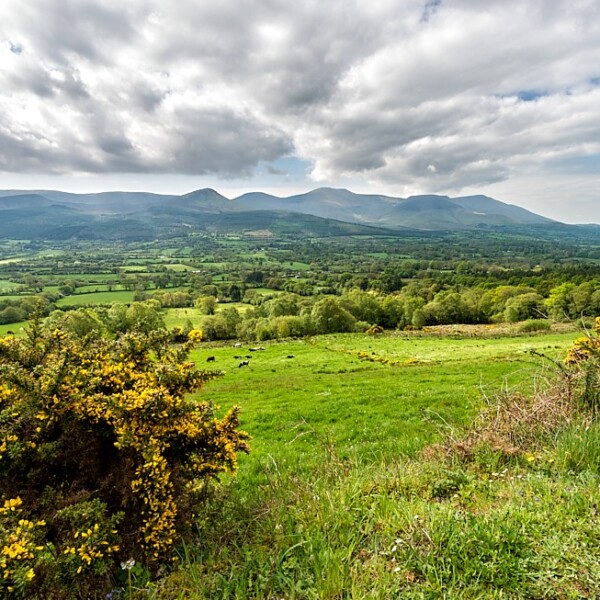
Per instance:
(50,214)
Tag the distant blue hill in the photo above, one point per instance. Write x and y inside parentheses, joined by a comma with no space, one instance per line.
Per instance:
(54,214)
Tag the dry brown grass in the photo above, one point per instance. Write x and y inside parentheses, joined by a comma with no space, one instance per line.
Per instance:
(515,424)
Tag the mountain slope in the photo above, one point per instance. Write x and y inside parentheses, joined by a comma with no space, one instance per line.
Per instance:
(484,205)
(431,212)
(140,215)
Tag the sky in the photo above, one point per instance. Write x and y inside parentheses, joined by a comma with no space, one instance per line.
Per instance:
(397,97)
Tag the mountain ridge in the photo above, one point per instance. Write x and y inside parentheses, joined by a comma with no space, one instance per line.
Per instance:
(201,209)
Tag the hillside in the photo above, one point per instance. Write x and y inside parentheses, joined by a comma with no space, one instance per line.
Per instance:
(50,214)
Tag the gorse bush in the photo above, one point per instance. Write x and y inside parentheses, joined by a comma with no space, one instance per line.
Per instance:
(102,457)
(584,360)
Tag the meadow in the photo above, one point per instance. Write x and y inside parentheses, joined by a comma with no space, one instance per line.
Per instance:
(369,396)
(341,496)
(96,298)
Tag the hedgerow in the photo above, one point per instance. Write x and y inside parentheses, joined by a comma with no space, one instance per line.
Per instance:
(103,458)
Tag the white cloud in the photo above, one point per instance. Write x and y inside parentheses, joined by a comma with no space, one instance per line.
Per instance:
(431,96)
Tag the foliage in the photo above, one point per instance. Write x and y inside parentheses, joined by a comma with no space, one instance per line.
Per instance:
(374,330)
(531,325)
(101,454)
(584,359)
(330,317)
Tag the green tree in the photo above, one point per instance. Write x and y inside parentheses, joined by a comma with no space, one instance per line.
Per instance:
(525,306)
(328,316)
(560,302)
(207,304)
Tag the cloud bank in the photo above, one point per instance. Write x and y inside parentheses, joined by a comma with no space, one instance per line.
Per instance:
(437,95)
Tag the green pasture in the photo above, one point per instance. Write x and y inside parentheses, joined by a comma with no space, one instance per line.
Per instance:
(15,259)
(16,328)
(177,317)
(337,390)
(95,287)
(8,286)
(267,291)
(335,502)
(14,296)
(97,298)
(179,268)
(296,265)
(89,277)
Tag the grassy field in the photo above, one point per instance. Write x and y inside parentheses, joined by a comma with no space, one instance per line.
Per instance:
(336,501)
(337,389)
(343,496)
(96,298)
(8,286)
(16,328)
(177,317)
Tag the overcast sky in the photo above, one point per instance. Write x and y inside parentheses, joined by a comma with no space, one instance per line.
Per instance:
(401,97)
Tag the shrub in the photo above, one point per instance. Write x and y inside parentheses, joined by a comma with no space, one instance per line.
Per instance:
(102,457)
(584,360)
(374,330)
(535,325)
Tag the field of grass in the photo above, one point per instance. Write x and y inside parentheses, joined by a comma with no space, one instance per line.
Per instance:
(338,500)
(337,388)
(8,286)
(16,328)
(267,291)
(89,277)
(14,296)
(96,298)
(177,317)
(16,259)
(335,500)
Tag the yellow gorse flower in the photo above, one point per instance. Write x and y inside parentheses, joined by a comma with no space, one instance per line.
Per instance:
(135,391)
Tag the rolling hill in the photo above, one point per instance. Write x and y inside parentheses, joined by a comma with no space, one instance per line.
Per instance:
(36,214)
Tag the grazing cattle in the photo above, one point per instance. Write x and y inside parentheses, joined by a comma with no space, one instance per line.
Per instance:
(210,359)
(237,345)
(237,356)
(248,356)
(291,356)
(244,363)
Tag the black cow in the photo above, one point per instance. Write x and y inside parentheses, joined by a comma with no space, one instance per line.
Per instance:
(210,359)
(244,363)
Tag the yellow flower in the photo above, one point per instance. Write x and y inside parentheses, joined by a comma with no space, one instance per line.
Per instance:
(12,503)
(195,336)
